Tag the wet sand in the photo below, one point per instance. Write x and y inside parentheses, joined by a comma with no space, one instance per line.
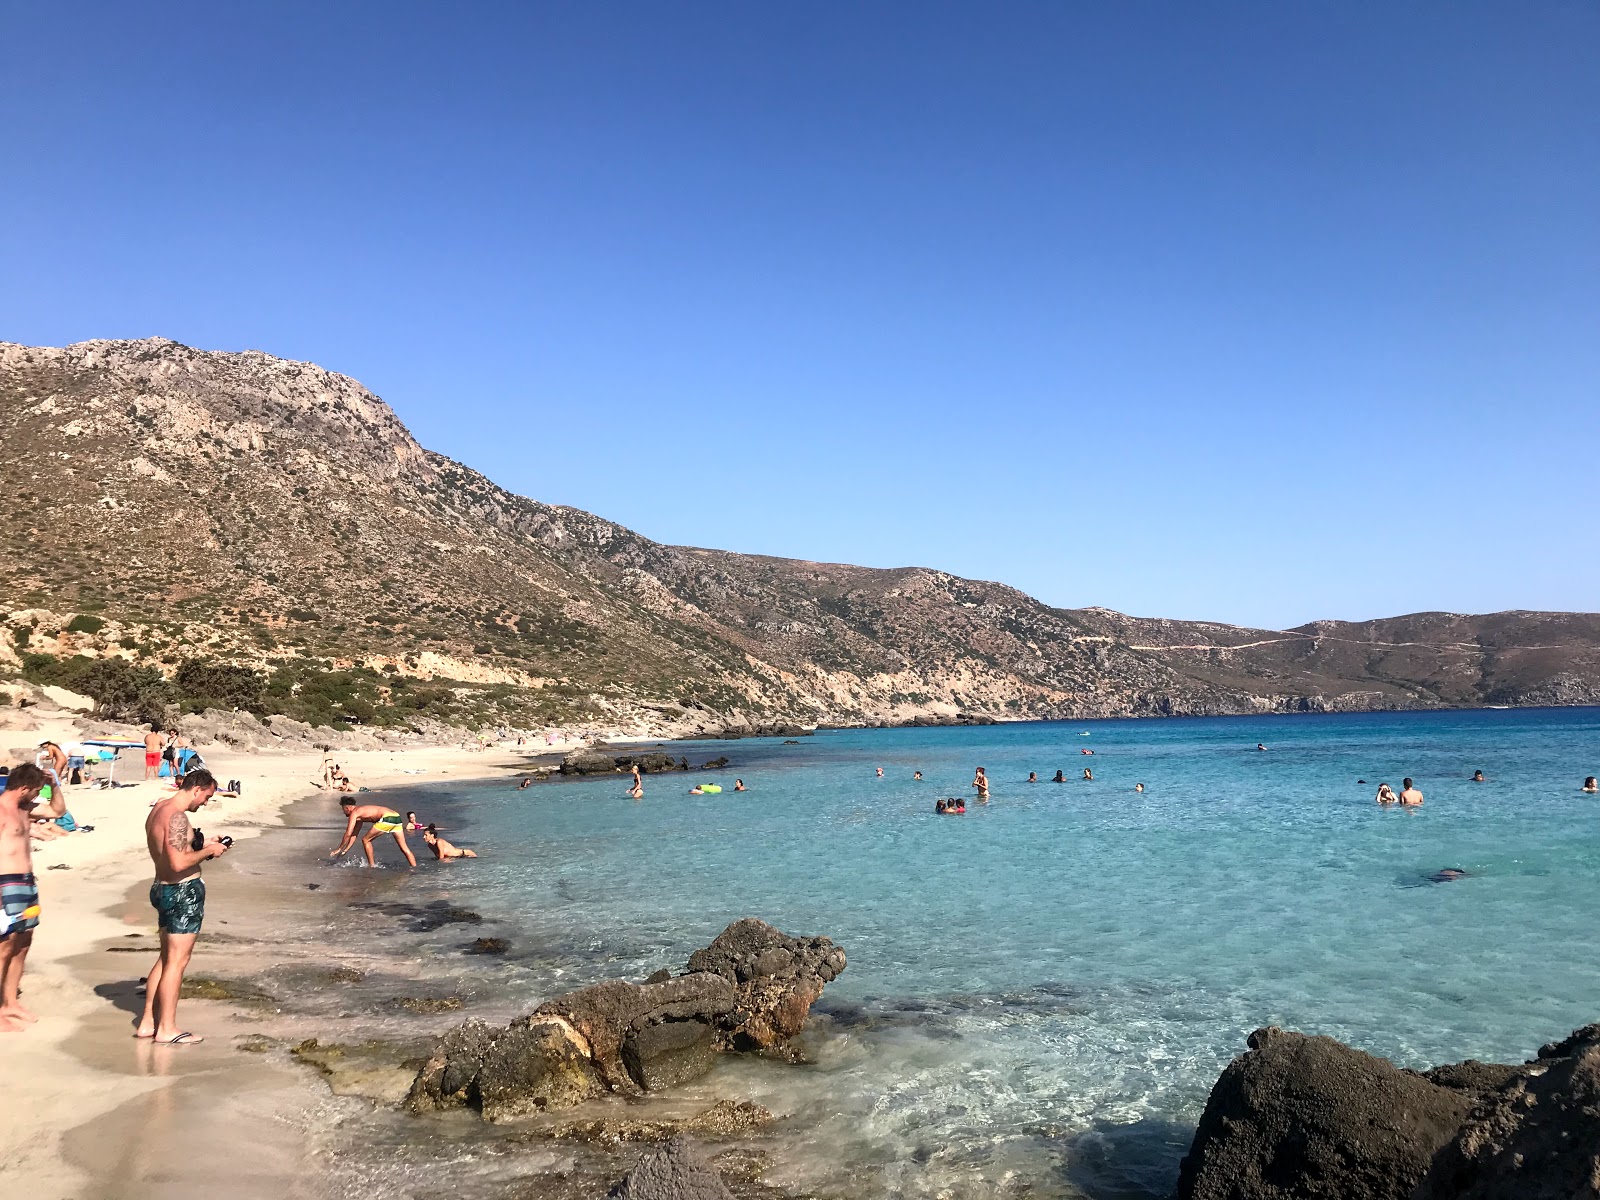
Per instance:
(347,956)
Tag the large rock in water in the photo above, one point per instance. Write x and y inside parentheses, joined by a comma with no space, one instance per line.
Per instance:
(776,980)
(751,989)
(1309,1117)
(1536,1138)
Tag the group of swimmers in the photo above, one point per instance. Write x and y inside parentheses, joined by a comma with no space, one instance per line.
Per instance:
(384,820)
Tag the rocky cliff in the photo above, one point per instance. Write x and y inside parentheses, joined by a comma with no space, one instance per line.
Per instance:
(165,505)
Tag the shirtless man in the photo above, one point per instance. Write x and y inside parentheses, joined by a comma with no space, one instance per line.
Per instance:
(1409,795)
(153,743)
(383,820)
(442,849)
(19,891)
(179,897)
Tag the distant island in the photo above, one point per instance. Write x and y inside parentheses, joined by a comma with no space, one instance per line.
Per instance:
(207,529)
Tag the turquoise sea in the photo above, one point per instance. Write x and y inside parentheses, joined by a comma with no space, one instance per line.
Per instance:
(1041,993)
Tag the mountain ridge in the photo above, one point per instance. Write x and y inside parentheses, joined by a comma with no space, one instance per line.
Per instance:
(256,511)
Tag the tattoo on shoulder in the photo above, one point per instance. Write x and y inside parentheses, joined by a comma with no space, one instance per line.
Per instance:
(178,831)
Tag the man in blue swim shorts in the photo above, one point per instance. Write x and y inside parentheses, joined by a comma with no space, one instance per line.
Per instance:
(19,891)
(179,897)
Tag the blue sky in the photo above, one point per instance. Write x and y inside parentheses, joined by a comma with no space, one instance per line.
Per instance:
(1249,312)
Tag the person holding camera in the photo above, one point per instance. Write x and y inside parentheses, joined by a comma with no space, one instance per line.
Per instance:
(178,895)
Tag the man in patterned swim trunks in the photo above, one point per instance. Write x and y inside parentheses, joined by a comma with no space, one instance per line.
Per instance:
(19,891)
(179,897)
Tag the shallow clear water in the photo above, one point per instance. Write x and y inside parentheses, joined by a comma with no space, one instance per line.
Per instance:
(1041,993)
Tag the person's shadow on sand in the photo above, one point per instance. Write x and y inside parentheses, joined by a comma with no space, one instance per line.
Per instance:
(126,994)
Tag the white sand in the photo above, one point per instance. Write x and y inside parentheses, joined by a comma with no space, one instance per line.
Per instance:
(43,1072)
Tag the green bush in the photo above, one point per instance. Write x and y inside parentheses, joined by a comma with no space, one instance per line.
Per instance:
(84,623)
(203,684)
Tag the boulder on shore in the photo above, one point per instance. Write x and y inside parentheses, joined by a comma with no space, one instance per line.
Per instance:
(1536,1138)
(751,989)
(1303,1116)
(1308,1117)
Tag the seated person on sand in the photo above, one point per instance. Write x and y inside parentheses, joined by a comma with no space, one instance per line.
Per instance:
(383,820)
(1386,794)
(443,849)
(1591,784)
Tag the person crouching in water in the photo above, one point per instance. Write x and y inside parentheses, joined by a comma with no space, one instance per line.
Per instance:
(443,849)
(383,820)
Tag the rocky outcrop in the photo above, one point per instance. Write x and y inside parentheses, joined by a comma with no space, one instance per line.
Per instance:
(675,1171)
(600,760)
(1535,1138)
(751,989)
(1308,1116)
(776,979)
(1300,1117)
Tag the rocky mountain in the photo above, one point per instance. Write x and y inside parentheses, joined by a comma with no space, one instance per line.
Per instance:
(183,511)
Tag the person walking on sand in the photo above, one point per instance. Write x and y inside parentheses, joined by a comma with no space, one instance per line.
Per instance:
(981,782)
(1410,797)
(19,891)
(179,897)
(154,742)
(383,820)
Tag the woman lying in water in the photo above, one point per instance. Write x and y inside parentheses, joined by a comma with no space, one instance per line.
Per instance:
(443,849)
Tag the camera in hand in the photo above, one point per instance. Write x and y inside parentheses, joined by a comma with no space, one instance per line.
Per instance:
(197,840)
(225,840)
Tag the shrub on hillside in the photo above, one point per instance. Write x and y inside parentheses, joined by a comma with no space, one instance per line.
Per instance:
(84,623)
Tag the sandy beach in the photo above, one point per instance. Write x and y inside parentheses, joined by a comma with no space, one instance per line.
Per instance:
(79,1065)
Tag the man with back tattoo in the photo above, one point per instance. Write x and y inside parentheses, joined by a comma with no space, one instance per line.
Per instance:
(179,897)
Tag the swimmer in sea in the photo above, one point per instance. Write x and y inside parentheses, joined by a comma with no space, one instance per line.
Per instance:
(1138,787)
(1386,794)
(1448,875)
(442,849)
(939,807)
(412,823)
(981,782)
(1261,746)
(523,784)
(1410,797)
(1085,751)
(880,772)
(917,775)
(1591,784)
(1088,774)
(738,785)
(1059,777)
(1033,777)
(637,790)
(1477,777)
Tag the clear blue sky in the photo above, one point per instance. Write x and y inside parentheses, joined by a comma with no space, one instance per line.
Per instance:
(1253,312)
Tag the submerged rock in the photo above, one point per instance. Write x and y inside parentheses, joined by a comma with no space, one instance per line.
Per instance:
(751,989)
(676,1171)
